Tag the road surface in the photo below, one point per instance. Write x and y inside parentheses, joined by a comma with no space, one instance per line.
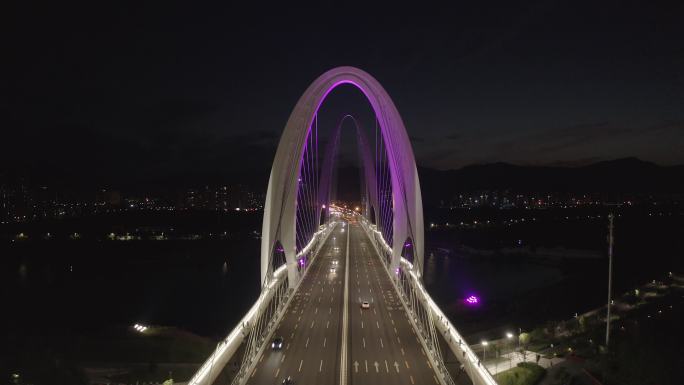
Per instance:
(382,347)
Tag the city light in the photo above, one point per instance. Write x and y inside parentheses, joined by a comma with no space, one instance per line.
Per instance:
(140,328)
(472,300)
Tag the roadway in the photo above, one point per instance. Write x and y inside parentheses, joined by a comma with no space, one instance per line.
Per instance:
(382,346)
(311,328)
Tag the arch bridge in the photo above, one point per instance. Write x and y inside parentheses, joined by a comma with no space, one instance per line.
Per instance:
(342,290)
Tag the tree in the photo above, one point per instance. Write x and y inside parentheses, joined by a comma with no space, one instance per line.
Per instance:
(583,322)
(524,339)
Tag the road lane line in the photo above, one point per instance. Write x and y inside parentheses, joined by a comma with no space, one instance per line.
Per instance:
(276,373)
(386,367)
(307,342)
(381,344)
(411,377)
(327,324)
(282,359)
(364,342)
(366,362)
(324,340)
(312,323)
(300,365)
(345,319)
(320,367)
(407,365)
(377,324)
(402,352)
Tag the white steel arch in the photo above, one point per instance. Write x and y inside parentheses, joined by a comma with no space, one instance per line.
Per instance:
(280,206)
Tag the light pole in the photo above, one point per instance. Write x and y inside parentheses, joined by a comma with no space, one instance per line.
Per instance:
(610,276)
(484,347)
(509,335)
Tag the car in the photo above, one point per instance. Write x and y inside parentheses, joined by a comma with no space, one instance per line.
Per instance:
(334,262)
(277,343)
(332,269)
(288,381)
(365,305)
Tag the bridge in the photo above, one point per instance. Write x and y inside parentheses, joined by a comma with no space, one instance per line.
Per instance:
(343,288)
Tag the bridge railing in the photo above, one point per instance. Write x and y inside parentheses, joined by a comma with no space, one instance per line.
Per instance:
(426,317)
(258,324)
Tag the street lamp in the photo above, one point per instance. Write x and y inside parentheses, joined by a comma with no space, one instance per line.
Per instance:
(484,347)
(509,335)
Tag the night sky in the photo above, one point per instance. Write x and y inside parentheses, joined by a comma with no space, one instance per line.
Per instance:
(158,93)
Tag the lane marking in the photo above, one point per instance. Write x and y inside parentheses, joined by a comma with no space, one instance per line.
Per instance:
(345,319)
(327,324)
(366,361)
(300,365)
(381,344)
(307,342)
(364,342)
(324,340)
(407,365)
(411,377)
(320,367)
(282,359)
(276,373)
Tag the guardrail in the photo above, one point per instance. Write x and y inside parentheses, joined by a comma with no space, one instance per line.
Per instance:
(476,371)
(226,348)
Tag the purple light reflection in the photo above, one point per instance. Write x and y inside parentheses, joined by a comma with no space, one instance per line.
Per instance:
(472,300)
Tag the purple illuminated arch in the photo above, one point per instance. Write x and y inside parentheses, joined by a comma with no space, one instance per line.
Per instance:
(324,189)
(280,205)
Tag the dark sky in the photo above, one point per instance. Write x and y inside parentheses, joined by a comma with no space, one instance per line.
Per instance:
(145,93)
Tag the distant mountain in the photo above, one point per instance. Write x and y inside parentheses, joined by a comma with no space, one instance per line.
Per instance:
(629,175)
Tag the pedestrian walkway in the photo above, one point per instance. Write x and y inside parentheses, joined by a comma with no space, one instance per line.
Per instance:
(511,360)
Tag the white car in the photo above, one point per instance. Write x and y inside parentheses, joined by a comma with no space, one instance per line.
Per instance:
(365,305)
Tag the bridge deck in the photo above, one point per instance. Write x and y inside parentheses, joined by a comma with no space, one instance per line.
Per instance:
(382,334)
(382,345)
(311,328)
